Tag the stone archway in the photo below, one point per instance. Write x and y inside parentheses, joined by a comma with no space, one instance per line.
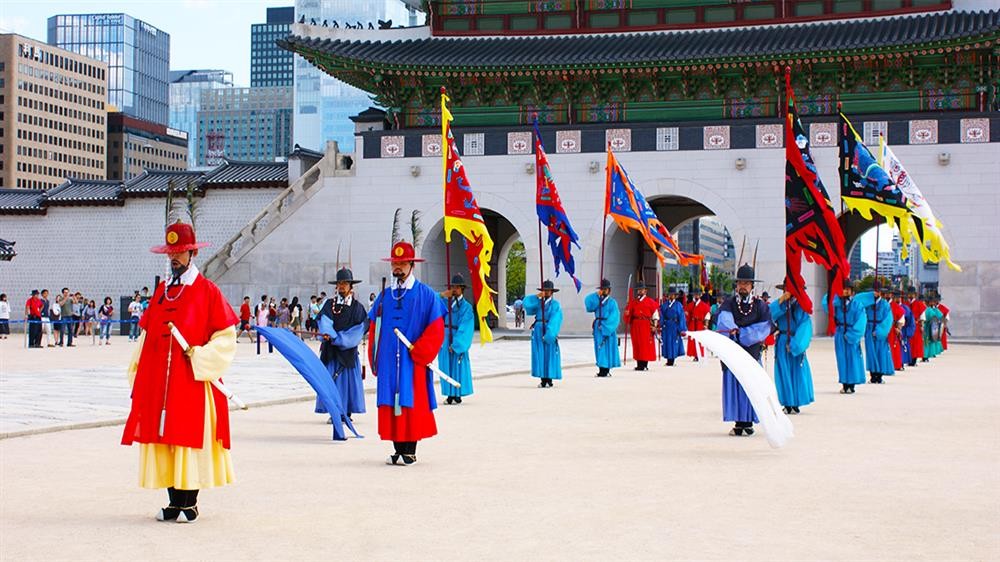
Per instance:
(628,255)
(504,235)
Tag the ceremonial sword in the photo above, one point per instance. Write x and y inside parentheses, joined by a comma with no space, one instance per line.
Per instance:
(217,384)
(430,366)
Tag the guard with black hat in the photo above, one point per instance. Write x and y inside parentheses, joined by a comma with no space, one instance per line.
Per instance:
(640,318)
(794,331)
(459,326)
(605,328)
(747,321)
(546,362)
(673,326)
(342,325)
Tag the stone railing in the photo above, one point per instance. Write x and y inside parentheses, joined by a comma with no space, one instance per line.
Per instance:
(280,209)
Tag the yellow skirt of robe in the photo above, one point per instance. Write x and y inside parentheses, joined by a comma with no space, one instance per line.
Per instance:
(186,468)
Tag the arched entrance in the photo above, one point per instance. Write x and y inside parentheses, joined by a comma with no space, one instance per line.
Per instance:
(504,235)
(697,230)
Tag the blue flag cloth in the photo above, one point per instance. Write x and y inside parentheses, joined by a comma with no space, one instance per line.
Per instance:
(305,361)
(552,215)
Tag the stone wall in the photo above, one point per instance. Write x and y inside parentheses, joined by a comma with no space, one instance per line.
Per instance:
(104,251)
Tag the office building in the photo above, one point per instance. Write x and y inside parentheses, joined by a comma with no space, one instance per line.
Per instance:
(186,87)
(324,104)
(53,119)
(135,145)
(271,65)
(244,124)
(137,55)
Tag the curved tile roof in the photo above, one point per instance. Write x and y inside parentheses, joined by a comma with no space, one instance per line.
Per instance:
(84,192)
(657,47)
(15,201)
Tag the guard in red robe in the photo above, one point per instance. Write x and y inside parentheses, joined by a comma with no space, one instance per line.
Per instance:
(917,308)
(697,313)
(405,393)
(640,317)
(896,333)
(179,419)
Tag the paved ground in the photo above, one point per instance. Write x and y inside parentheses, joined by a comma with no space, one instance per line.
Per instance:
(87,384)
(638,466)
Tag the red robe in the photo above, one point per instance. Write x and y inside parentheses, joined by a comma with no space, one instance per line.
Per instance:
(944,332)
(895,344)
(199,310)
(696,312)
(639,316)
(917,307)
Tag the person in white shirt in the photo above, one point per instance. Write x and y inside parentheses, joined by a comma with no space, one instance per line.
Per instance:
(4,316)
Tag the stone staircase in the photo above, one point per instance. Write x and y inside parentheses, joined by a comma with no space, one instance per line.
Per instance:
(284,206)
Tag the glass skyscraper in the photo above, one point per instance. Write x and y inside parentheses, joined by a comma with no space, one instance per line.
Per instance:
(323,104)
(137,54)
(186,87)
(271,65)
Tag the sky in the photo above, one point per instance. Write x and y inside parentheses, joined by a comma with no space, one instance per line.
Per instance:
(203,33)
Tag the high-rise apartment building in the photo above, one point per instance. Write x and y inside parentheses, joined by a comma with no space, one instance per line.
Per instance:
(53,119)
(244,124)
(708,237)
(271,65)
(137,55)
(323,104)
(186,87)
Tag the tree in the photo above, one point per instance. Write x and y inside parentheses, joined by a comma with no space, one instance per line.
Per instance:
(722,281)
(516,263)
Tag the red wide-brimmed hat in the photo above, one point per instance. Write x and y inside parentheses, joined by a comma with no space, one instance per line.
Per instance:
(402,252)
(179,238)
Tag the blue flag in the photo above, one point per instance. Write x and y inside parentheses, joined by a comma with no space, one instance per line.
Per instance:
(552,215)
(300,356)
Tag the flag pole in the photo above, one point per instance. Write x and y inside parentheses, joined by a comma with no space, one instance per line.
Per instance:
(541,270)
(607,205)
(444,186)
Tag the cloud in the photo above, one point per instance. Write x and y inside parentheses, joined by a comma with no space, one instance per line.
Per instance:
(14,24)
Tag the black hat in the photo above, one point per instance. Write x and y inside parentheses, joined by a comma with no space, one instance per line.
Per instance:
(605,284)
(34,291)
(746,273)
(640,284)
(345,274)
(911,289)
(765,296)
(457,281)
(548,285)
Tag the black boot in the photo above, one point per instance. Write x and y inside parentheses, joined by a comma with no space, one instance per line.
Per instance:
(458,399)
(394,457)
(846,388)
(670,362)
(172,510)
(409,453)
(189,509)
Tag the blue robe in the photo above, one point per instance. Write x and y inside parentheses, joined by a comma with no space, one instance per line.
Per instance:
(754,328)
(792,375)
(347,380)
(606,320)
(459,326)
(909,328)
(340,353)
(850,320)
(878,354)
(545,359)
(672,323)
(412,311)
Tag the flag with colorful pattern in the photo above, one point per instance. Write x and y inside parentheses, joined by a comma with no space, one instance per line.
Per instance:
(552,215)
(811,227)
